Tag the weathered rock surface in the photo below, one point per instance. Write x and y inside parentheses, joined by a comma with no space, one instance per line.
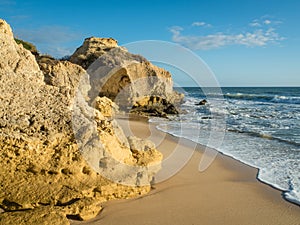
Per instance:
(28,46)
(15,59)
(68,77)
(144,151)
(106,106)
(154,106)
(59,156)
(91,50)
(43,215)
(124,77)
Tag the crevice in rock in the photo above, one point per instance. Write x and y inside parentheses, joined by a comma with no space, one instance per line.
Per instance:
(9,206)
(72,201)
(17,210)
(44,204)
(74,217)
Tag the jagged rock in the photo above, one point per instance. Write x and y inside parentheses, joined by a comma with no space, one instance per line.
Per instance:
(137,144)
(91,50)
(106,106)
(42,216)
(145,152)
(52,144)
(82,209)
(28,46)
(64,75)
(124,77)
(15,59)
(154,106)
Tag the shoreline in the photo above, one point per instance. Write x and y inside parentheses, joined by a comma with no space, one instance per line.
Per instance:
(245,164)
(228,192)
(297,203)
(222,153)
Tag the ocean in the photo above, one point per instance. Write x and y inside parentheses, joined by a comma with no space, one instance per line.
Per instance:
(256,125)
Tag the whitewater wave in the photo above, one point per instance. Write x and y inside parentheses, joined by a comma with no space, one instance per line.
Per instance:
(264,135)
(264,98)
(262,130)
(292,194)
(286,99)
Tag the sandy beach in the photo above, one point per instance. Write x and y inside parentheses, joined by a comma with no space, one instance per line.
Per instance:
(225,193)
(149,113)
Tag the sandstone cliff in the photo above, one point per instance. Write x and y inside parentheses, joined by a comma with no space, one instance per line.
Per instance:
(60,157)
(91,50)
(126,78)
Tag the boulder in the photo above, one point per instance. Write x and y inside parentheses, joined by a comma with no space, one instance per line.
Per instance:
(106,106)
(60,157)
(137,144)
(202,102)
(154,106)
(145,153)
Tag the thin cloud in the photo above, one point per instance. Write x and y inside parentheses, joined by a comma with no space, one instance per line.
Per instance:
(176,30)
(7,6)
(259,37)
(48,34)
(264,20)
(267,22)
(56,51)
(7,2)
(20,17)
(201,24)
(50,39)
(255,23)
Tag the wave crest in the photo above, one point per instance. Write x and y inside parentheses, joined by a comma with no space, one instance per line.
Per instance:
(264,98)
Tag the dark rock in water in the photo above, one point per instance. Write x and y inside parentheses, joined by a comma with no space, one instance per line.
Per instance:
(202,102)
(206,117)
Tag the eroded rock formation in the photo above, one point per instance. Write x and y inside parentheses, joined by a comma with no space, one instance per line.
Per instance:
(154,106)
(91,50)
(59,156)
(124,77)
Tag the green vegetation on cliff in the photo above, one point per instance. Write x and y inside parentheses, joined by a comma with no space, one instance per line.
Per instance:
(27,46)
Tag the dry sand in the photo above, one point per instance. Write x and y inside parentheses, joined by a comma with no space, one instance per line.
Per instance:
(225,193)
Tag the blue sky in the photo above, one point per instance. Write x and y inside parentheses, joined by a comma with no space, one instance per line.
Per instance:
(245,43)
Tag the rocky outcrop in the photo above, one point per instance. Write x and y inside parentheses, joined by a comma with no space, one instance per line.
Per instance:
(202,102)
(60,157)
(144,151)
(68,77)
(91,50)
(106,106)
(28,46)
(124,77)
(15,59)
(154,106)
